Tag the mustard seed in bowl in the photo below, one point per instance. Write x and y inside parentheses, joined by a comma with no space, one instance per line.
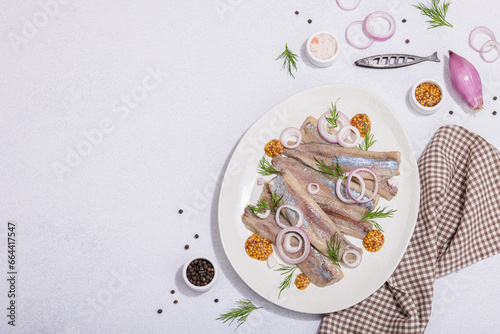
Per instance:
(428,94)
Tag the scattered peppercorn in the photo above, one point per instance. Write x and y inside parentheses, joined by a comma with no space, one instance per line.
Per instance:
(428,94)
(404,21)
(273,148)
(172,292)
(451,112)
(196,236)
(407,41)
(302,281)
(181,211)
(296,12)
(176,301)
(374,241)
(359,121)
(186,247)
(200,272)
(159,311)
(494,98)
(309,21)
(216,300)
(494,113)
(258,247)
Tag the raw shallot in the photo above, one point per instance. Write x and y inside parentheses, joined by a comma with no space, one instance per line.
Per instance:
(466,81)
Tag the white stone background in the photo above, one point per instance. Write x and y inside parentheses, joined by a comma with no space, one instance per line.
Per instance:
(113,213)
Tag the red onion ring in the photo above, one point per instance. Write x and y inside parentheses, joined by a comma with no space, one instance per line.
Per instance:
(477,31)
(493,45)
(356,262)
(323,127)
(313,188)
(351,42)
(279,245)
(338,191)
(352,174)
(300,221)
(264,215)
(287,134)
(342,141)
(344,7)
(260,181)
(378,37)
(287,243)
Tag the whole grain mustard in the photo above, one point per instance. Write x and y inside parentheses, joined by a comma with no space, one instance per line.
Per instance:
(374,241)
(258,247)
(428,94)
(273,148)
(302,281)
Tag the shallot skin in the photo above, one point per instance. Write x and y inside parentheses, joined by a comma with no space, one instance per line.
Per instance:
(466,81)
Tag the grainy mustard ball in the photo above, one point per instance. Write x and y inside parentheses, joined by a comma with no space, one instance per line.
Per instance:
(359,121)
(428,94)
(258,247)
(273,148)
(374,241)
(302,281)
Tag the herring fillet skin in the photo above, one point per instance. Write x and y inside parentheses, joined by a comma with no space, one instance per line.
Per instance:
(320,270)
(384,168)
(346,216)
(382,163)
(317,224)
(309,131)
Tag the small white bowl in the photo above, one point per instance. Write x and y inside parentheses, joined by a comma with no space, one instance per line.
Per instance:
(420,108)
(321,62)
(204,287)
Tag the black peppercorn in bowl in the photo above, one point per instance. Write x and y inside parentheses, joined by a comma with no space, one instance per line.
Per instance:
(200,273)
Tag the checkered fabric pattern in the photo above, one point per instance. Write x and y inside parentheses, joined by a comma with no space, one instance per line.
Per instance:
(458,224)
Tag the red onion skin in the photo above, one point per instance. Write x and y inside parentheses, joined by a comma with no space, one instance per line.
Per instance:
(466,81)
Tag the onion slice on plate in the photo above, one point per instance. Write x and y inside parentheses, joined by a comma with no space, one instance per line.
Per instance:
(350,200)
(323,127)
(356,261)
(291,207)
(350,40)
(313,188)
(491,45)
(291,133)
(263,215)
(379,37)
(343,6)
(352,174)
(477,31)
(271,261)
(341,136)
(287,242)
(281,251)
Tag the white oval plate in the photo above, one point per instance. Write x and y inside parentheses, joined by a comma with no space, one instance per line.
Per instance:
(239,189)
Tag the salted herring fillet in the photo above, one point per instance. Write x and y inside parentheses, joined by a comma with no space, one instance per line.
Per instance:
(384,164)
(346,216)
(309,131)
(320,270)
(317,224)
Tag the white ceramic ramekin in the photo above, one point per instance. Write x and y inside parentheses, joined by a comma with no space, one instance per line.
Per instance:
(204,287)
(321,62)
(420,108)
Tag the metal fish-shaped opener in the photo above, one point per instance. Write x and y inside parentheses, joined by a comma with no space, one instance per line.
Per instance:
(394,60)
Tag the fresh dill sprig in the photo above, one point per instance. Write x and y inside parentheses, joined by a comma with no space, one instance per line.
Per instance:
(333,248)
(275,200)
(333,170)
(266,168)
(240,314)
(288,271)
(289,60)
(436,13)
(369,141)
(335,115)
(373,214)
(260,207)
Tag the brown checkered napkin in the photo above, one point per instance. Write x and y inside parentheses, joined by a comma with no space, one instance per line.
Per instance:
(458,224)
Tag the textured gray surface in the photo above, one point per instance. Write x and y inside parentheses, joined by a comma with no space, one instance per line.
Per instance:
(100,241)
